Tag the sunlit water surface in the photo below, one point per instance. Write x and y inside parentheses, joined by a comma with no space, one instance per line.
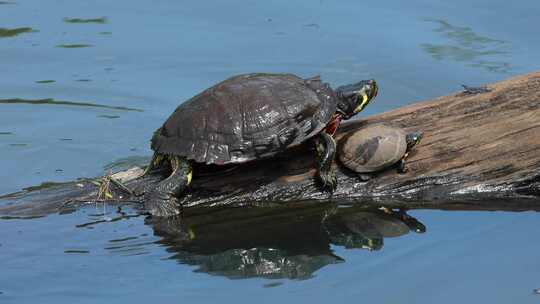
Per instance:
(84,84)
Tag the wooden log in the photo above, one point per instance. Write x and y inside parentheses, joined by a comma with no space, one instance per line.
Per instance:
(476,146)
(479,151)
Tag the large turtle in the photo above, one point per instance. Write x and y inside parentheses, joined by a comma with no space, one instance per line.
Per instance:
(248,117)
(377,147)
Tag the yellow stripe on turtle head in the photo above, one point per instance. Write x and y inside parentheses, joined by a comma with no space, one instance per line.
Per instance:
(365,101)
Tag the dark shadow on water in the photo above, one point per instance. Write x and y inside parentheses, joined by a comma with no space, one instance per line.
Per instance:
(464,45)
(101,20)
(276,243)
(109,116)
(50,101)
(74,46)
(7,33)
(31,217)
(76,251)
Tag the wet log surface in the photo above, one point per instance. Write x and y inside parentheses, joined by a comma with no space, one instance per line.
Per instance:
(480,151)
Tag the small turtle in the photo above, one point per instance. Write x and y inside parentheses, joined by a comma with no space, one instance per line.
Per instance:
(248,117)
(377,147)
(367,229)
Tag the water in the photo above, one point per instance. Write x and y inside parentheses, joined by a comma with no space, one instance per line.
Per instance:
(84,84)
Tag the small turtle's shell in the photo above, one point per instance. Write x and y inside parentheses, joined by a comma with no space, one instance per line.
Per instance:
(373,148)
(373,224)
(247,117)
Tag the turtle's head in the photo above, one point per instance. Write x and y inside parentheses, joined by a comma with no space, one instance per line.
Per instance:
(353,98)
(413,139)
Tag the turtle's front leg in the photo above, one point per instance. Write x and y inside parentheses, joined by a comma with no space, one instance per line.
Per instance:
(163,199)
(401,167)
(326,152)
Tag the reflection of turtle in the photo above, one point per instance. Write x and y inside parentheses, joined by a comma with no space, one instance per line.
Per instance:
(248,242)
(270,263)
(367,229)
(257,242)
(413,224)
(248,117)
(377,147)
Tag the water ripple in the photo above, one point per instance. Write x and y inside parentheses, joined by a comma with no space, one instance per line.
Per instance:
(74,46)
(464,45)
(129,246)
(101,20)
(50,101)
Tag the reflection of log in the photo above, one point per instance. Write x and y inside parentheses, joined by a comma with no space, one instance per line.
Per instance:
(479,151)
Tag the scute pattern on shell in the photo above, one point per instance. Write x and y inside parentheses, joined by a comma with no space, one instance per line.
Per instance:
(246,117)
(373,148)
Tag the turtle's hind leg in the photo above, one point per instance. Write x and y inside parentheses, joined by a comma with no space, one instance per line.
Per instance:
(326,152)
(163,199)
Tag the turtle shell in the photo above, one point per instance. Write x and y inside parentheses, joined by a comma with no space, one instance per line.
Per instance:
(247,117)
(373,148)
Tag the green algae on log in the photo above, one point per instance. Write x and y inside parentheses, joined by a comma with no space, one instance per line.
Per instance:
(479,152)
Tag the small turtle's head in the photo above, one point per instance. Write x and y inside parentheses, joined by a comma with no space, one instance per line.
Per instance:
(353,98)
(413,139)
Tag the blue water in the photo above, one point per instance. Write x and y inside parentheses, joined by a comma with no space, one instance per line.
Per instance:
(126,71)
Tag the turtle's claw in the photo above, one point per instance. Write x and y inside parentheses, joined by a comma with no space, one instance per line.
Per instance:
(364,177)
(328,181)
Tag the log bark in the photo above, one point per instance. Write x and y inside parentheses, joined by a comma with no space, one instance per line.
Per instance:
(479,151)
